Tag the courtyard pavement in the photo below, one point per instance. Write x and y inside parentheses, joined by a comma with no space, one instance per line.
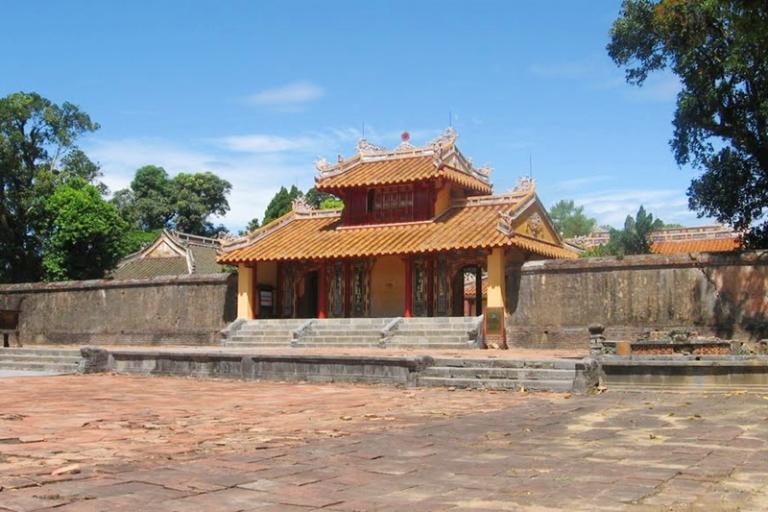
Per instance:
(124,443)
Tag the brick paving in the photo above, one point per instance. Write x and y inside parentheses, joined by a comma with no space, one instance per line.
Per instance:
(170,444)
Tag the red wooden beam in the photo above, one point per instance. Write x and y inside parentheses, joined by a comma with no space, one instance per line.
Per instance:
(322,293)
(408,310)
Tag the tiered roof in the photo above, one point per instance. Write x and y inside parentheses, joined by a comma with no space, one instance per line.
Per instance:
(377,166)
(473,223)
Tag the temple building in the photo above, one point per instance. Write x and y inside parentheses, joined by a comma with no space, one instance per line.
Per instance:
(415,221)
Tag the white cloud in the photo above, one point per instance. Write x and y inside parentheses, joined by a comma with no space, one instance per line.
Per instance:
(579,183)
(612,206)
(263,143)
(289,95)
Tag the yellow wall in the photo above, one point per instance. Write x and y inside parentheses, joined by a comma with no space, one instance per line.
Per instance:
(495,296)
(245,292)
(388,287)
(267,272)
(443,200)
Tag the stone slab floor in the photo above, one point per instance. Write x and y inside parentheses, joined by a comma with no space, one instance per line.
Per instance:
(118,443)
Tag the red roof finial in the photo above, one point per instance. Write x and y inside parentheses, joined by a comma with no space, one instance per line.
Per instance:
(405,137)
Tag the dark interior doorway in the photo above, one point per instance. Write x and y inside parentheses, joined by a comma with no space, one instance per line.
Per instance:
(308,301)
(468,302)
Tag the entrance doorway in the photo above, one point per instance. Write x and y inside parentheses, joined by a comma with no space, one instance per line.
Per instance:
(468,291)
(307,296)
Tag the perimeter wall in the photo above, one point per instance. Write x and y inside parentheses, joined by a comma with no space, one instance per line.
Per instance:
(552,302)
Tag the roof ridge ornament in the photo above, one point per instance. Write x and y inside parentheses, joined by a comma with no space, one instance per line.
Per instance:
(525,184)
(301,206)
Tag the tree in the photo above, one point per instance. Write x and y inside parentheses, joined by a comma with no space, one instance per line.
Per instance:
(253,224)
(194,198)
(281,203)
(35,135)
(185,202)
(570,221)
(331,203)
(151,197)
(635,238)
(719,50)
(83,235)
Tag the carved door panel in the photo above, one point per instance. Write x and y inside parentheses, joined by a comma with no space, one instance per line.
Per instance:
(420,287)
(335,280)
(361,288)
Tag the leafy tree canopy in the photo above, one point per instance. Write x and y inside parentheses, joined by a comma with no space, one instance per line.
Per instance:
(719,50)
(185,202)
(281,203)
(570,220)
(253,224)
(635,238)
(37,155)
(83,235)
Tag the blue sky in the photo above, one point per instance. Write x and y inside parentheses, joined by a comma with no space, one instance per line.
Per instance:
(257,91)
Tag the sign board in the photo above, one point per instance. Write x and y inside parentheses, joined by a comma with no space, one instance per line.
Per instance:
(494,321)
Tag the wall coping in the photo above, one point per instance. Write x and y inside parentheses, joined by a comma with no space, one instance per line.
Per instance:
(100,284)
(647,261)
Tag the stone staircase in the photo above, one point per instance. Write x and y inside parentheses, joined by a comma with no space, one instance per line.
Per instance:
(552,375)
(344,332)
(42,360)
(265,333)
(438,333)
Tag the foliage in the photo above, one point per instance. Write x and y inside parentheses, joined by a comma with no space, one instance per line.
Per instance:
(570,221)
(84,233)
(136,239)
(719,51)
(35,135)
(280,203)
(331,203)
(195,197)
(154,201)
(635,238)
(253,224)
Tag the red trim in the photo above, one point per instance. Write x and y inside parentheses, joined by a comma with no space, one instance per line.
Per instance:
(279,291)
(347,289)
(255,281)
(322,294)
(408,309)
(430,286)
(478,291)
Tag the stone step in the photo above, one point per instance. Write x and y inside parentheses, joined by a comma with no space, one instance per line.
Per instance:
(256,328)
(437,331)
(561,386)
(430,346)
(553,364)
(41,351)
(398,339)
(262,344)
(39,358)
(340,339)
(39,367)
(335,344)
(499,373)
(341,332)
(261,337)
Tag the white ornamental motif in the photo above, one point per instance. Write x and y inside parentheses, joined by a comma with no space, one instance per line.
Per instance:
(535,225)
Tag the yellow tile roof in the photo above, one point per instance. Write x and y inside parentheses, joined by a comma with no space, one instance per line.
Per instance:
(683,246)
(318,236)
(396,171)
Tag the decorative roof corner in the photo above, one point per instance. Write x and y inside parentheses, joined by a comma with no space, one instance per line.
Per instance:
(301,206)
(525,184)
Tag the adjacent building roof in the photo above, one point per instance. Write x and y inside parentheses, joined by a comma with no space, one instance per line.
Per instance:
(716,238)
(473,223)
(682,246)
(172,253)
(377,166)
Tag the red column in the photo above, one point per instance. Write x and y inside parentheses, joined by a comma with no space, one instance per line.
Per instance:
(408,310)
(322,294)
(347,289)
(255,301)
(431,286)
(279,292)
(478,291)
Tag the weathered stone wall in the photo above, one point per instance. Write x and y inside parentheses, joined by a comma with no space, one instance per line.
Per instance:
(553,302)
(189,309)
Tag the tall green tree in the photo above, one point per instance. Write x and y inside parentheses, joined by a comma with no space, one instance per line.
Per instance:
(281,203)
(36,135)
(252,224)
(83,233)
(719,51)
(635,238)
(150,197)
(570,220)
(195,198)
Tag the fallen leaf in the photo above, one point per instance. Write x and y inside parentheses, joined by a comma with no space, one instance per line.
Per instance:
(72,469)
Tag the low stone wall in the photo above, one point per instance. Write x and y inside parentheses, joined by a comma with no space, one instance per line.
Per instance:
(552,302)
(319,368)
(189,309)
